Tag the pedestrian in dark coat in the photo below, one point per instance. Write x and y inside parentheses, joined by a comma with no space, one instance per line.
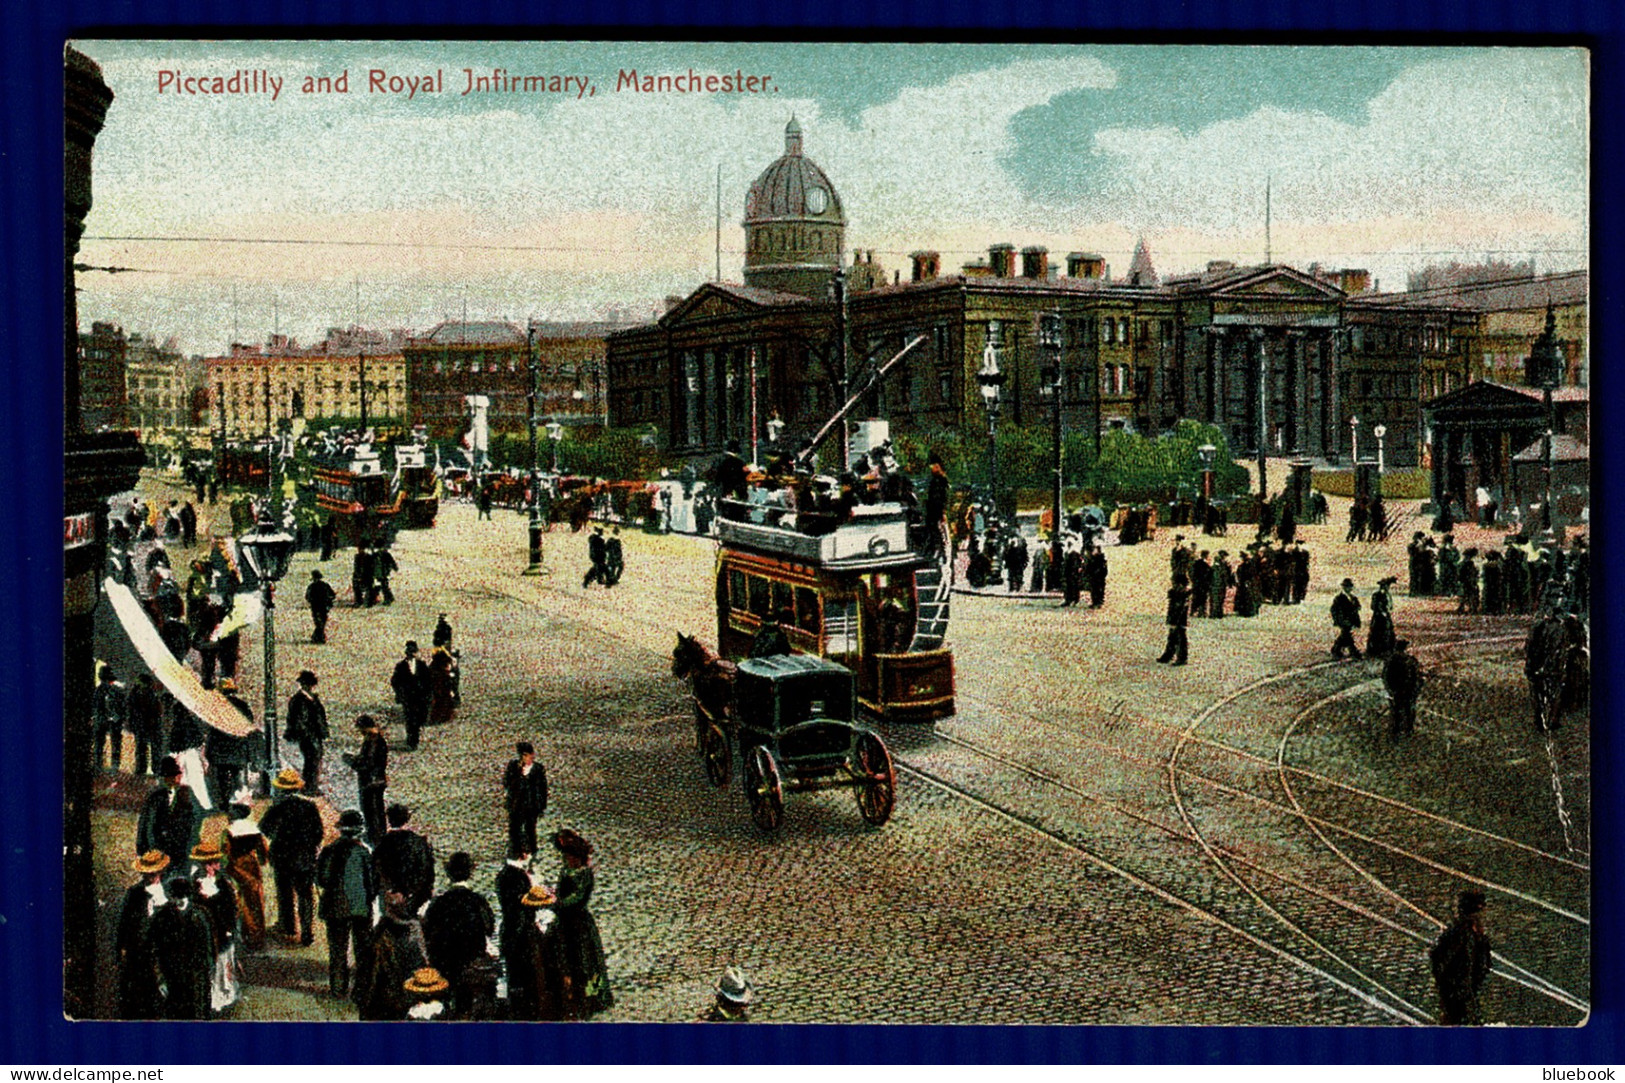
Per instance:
(140,995)
(1493,585)
(1413,552)
(538,985)
(217,898)
(330,536)
(1380,638)
(344,873)
(109,708)
(936,505)
(1287,528)
(1346,618)
(320,596)
(145,707)
(442,686)
(1358,516)
(1072,572)
(1094,574)
(1460,960)
(729,475)
(393,953)
(1201,583)
(1515,573)
(188,517)
(1449,565)
(169,818)
(1300,573)
(1544,655)
(361,573)
(1224,577)
(405,860)
(442,633)
(1177,648)
(585,964)
(371,766)
(513,880)
(1402,677)
(597,554)
(456,927)
(307,724)
(384,565)
(524,784)
(1246,599)
(410,682)
(294,827)
(614,558)
(183,943)
(1015,562)
(1470,599)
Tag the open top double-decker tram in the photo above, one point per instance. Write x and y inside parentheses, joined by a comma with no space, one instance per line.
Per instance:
(861,592)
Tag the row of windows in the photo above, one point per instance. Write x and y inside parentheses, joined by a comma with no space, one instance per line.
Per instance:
(767,599)
(1389,339)
(1382,385)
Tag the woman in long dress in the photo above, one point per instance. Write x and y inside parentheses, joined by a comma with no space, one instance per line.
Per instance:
(538,988)
(219,901)
(246,850)
(585,965)
(442,687)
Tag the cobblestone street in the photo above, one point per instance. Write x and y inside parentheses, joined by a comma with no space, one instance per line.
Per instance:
(1093,838)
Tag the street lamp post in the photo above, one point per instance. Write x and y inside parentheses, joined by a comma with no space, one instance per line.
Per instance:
(1354,440)
(1050,330)
(268,551)
(1379,432)
(990,379)
(535,566)
(1207,451)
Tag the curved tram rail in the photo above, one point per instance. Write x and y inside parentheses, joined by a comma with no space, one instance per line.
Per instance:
(1390,976)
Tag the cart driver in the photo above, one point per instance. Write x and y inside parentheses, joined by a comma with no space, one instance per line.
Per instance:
(770,638)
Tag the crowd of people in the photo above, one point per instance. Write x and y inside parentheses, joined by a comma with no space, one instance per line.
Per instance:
(396,947)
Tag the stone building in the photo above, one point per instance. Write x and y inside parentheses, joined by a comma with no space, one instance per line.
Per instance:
(1294,362)
(351,373)
(103,357)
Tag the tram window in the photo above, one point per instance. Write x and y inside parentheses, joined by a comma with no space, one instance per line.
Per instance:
(783,598)
(760,596)
(807,610)
(736,589)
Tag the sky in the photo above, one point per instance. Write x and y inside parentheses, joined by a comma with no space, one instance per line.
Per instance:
(308,210)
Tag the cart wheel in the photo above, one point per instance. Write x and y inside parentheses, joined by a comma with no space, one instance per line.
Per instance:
(877,792)
(718,754)
(701,725)
(763,790)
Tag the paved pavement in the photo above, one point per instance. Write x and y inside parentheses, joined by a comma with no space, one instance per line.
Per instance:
(1092,839)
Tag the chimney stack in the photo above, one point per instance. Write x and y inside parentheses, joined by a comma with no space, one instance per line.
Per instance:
(926,265)
(1001,260)
(1035,262)
(1085,265)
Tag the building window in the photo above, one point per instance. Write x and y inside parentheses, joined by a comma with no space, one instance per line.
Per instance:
(945,390)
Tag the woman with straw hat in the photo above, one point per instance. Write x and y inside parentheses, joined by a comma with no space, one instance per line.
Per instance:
(217,899)
(427,987)
(139,993)
(246,853)
(537,986)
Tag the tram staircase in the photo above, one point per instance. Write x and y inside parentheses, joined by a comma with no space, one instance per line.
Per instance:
(932,587)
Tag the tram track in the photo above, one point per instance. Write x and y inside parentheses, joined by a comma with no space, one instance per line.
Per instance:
(1320,955)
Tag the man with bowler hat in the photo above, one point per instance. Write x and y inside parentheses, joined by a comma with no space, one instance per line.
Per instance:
(344,872)
(404,860)
(307,724)
(320,596)
(411,684)
(371,767)
(169,818)
(1346,617)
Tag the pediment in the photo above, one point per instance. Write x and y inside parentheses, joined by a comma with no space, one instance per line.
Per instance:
(1487,397)
(1276,283)
(709,302)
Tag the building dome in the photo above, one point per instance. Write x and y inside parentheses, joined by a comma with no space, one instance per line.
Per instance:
(794,227)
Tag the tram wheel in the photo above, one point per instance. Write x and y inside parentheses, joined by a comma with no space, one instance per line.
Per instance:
(763,789)
(877,789)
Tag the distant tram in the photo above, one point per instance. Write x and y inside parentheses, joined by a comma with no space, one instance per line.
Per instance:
(359,496)
(855,593)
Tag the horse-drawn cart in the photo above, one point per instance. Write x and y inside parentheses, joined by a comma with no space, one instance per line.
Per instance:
(792,719)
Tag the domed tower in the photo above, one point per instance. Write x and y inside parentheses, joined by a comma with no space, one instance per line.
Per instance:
(794,227)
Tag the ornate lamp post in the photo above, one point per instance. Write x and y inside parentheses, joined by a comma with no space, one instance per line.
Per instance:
(268,550)
(535,567)
(1207,451)
(1050,330)
(990,379)
(775,426)
(1379,432)
(1354,440)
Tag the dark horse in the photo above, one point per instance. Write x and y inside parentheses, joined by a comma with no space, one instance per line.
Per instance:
(710,679)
